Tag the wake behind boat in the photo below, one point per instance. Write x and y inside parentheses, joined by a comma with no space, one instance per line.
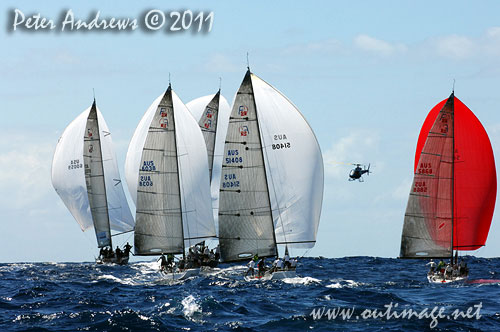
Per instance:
(85,175)
(271,187)
(453,194)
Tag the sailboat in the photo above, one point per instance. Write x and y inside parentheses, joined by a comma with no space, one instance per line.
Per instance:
(453,194)
(271,188)
(212,113)
(167,175)
(85,175)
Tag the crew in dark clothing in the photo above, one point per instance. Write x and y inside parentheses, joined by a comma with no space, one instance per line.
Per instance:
(163,263)
(126,249)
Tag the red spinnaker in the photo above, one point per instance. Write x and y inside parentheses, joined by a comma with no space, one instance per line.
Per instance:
(475,176)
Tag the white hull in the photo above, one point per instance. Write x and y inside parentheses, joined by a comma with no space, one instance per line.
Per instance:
(436,279)
(113,260)
(278,275)
(181,275)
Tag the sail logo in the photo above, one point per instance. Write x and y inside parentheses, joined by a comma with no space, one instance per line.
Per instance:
(145,181)
(244,131)
(163,112)
(209,114)
(148,166)
(243,110)
(163,122)
(89,133)
(75,164)
(91,148)
(208,124)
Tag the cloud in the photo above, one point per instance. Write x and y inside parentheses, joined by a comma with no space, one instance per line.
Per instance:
(378,46)
(219,63)
(25,162)
(401,192)
(454,47)
(357,147)
(325,47)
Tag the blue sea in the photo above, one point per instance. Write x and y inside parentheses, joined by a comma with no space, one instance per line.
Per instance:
(89,297)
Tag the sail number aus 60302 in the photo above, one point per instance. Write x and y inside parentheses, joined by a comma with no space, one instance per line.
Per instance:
(74,164)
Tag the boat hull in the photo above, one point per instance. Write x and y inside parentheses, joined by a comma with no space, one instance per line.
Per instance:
(181,275)
(113,260)
(277,275)
(434,279)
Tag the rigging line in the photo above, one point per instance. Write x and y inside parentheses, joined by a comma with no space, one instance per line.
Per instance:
(122,233)
(248,62)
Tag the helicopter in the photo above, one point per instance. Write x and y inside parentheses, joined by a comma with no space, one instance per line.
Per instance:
(357,173)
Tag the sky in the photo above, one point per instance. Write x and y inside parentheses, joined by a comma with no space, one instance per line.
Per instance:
(364,74)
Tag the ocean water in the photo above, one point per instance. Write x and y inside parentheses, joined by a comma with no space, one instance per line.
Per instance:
(89,297)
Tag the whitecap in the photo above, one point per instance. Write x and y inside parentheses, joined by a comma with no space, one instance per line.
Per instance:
(302,281)
(190,307)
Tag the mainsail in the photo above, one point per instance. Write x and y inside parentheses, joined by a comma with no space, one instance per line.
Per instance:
(85,175)
(167,176)
(272,175)
(453,193)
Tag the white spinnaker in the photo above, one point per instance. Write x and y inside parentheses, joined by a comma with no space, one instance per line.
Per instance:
(134,152)
(197,107)
(294,171)
(193,166)
(68,177)
(196,204)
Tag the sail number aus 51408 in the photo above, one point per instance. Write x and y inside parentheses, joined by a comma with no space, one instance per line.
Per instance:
(279,146)
(230,181)
(233,157)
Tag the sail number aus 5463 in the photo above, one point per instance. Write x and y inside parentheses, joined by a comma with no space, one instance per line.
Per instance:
(425,168)
(420,187)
